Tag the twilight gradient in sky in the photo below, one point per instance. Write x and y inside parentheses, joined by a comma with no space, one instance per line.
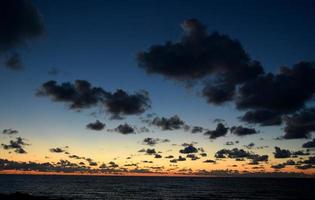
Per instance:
(159,89)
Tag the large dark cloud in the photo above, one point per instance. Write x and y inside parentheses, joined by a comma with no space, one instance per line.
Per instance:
(300,125)
(20,22)
(230,74)
(262,117)
(82,94)
(172,123)
(199,55)
(271,95)
(242,131)
(220,131)
(17,145)
(96,126)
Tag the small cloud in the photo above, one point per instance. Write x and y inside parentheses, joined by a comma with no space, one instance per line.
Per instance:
(96,126)
(10,131)
(125,129)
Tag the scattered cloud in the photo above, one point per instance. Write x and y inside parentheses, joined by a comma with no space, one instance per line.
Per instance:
(153,141)
(125,129)
(188,150)
(242,131)
(96,126)
(57,150)
(82,95)
(220,131)
(282,153)
(172,123)
(10,131)
(17,145)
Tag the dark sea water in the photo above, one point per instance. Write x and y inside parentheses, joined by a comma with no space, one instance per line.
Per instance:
(91,187)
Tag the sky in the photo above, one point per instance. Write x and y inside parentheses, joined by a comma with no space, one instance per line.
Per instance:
(157,87)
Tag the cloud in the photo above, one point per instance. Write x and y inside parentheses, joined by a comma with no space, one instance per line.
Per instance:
(197,129)
(10,131)
(262,117)
(242,131)
(53,71)
(78,95)
(17,145)
(229,74)
(150,151)
(310,160)
(141,150)
(209,161)
(300,124)
(282,153)
(220,131)
(56,150)
(82,95)
(305,167)
(199,55)
(278,166)
(179,159)
(153,141)
(172,123)
(310,144)
(192,157)
(121,103)
(157,156)
(278,94)
(203,154)
(255,159)
(188,149)
(96,126)
(20,22)
(233,153)
(240,155)
(125,129)
(169,157)
(14,62)
(229,143)
(250,145)
(76,157)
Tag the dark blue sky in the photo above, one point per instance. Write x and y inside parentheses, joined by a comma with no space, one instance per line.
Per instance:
(99,40)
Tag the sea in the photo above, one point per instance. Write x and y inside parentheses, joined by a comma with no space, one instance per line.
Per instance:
(151,188)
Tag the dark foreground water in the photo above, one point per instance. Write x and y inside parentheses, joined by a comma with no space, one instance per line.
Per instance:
(87,187)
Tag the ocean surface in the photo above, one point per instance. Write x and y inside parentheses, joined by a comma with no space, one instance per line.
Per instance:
(93,187)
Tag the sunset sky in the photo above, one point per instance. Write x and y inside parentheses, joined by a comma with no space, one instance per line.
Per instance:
(171,87)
